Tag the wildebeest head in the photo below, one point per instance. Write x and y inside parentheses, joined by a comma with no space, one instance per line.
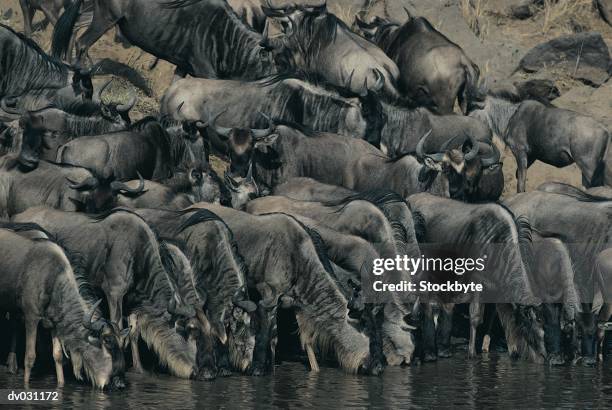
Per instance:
(242,189)
(98,194)
(485,182)
(81,84)
(243,143)
(107,337)
(374,28)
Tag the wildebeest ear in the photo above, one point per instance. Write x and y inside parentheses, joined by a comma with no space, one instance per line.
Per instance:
(265,141)
(80,205)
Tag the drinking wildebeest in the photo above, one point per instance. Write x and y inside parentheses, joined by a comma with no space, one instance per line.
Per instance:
(219,276)
(319,44)
(433,71)
(280,97)
(555,136)
(287,151)
(355,233)
(300,274)
(581,222)
(39,283)
(146,148)
(208,40)
(470,230)
(37,80)
(62,187)
(119,254)
(552,282)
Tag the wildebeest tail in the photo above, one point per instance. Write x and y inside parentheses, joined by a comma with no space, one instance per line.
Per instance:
(170,347)
(108,66)
(469,89)
(62,33)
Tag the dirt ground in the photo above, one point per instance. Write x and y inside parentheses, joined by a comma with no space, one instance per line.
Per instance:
(482,27)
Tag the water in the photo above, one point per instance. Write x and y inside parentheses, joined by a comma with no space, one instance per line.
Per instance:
(456,382)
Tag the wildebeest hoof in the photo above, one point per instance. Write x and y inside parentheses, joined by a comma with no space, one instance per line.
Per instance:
(11,363)
(430,357)
(206,374)
(444,353)
(555,359)
(224,372)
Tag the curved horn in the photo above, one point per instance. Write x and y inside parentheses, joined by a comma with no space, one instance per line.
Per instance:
(87,183)
(129,105)
(380,80)
(262,133)
(249,175)
(117,186)
(223,131)
(349,80)
(97,97)
(408,13)
(88,321)
(416,307)
(419,148)
(493,158)
(474,151)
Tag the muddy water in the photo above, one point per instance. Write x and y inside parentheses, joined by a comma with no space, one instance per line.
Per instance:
(484,382)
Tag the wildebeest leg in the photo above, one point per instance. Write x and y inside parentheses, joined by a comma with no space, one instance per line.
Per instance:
(11,360)
(31,327)
(28,16)
(266,321)
(101,23)
(205,359)
(134,335)
(587,325)
(428,334)
(51,15)
(115,306)
(489,320)
(552,332)
(223,362)
(444,329)
(58,358)
(312,358)
(521,171)
(603,322)
(476,314)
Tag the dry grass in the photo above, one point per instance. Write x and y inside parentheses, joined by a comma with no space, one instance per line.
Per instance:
(564,13)
(473,12)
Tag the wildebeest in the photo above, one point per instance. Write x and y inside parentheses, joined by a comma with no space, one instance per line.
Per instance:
(219,278)
(555,214)
(280,97)
(36,80)
(177,193)
(300,274)
(469,230)
(355,233)
(62,187)
(38,282)
(433,71)
(146,148)
(321,45)
(119,254)
(535,131)
(292,151)
(208,40)
(552,282)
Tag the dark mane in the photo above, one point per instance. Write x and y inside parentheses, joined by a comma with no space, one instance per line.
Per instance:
(26,67)
(420,225)
(103,215)
(198,216)
(317,241)
(316,32)
(25,227)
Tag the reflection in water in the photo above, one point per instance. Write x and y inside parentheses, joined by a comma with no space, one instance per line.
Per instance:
(458,382)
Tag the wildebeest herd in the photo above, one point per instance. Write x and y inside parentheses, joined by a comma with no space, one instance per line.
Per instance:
(343,147)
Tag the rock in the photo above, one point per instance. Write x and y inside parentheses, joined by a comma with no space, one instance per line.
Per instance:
(521,11)
(605,9)
(587,49)
(596,102)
